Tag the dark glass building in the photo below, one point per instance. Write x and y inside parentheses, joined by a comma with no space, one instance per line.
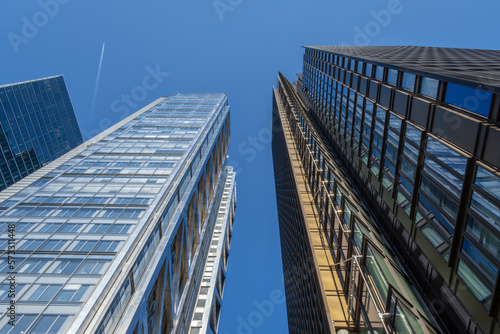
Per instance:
(388,188)
(37,125)
(128,233)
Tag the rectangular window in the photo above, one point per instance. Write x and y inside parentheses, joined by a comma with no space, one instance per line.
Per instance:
(475,100)
(478,288)
(392,76)
(429,87)
(409,81)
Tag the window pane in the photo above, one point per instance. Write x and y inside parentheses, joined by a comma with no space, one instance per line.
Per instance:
(429,87)
(479,289)
(482,235)
(379,74)
(392,76)
(474,100)
(486,209)
(409,81)
(489,182)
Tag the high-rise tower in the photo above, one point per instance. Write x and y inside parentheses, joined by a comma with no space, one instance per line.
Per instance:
(118,235)
(37,125)
(388,187)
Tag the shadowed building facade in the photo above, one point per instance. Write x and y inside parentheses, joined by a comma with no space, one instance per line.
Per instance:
(388,185)
(38,125)
(121,234)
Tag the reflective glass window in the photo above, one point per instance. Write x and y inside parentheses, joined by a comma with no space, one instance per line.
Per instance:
(392,76)
(483,236)
(368,69)
(409,81)
(488,182)
(429,87)
(44,292)
(486,209)
(432,235)
(484,265)
(475,100)
(379,72)
(478,288)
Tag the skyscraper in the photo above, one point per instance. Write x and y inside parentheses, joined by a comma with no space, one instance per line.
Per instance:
(114,236)
(38,125)
(388,188)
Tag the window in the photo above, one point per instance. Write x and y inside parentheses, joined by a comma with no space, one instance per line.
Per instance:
(376,274)
(409,81)
(392,76)
(53,245)
(44,292)
(32,265)
(429,87)
(92,267)
(379,72)
(368,70)
(487,210)
(99,228)
(72,293)
(475,100)
(66,266)
(23,321)
(49,227)
(30,244)
(107,246)
(84,245)
(475,285)
(49,324)
(119,228)
(483,236)
(488,182)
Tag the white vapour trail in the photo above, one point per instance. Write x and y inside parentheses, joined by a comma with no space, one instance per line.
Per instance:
(97,81)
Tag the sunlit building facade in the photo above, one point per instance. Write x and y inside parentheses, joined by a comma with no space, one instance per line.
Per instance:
(38,125)
(392,163)
(113,237)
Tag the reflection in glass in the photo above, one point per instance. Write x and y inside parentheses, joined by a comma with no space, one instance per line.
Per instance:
(475,100)
(429,87)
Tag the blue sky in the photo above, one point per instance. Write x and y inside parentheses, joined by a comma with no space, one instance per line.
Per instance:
(155,48)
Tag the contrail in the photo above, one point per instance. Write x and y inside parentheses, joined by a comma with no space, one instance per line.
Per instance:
(97,81)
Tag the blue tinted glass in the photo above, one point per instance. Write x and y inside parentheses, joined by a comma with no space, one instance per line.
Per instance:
(379,72)
(486,209)
(474,100)
(352,65)
(360,66)
(483,236)
(483,264)
(429,87)
(481,291)
(392,76)
(368,70)
(413,133)
(488,181)
(409,81)
(435,215)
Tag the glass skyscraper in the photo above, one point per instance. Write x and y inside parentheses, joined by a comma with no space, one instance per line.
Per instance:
(122,234)
(388,188)
(37,125)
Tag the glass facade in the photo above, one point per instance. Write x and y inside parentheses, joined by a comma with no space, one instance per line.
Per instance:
(409,126)
(38,125)
(120,224)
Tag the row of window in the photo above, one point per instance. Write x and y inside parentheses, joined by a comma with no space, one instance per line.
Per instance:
(339,233)
(442,174)
(475,100)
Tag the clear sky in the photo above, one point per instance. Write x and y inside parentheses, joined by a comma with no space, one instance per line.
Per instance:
(118,56)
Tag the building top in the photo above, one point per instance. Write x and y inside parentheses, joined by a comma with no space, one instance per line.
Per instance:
(34,80)
(475,66)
